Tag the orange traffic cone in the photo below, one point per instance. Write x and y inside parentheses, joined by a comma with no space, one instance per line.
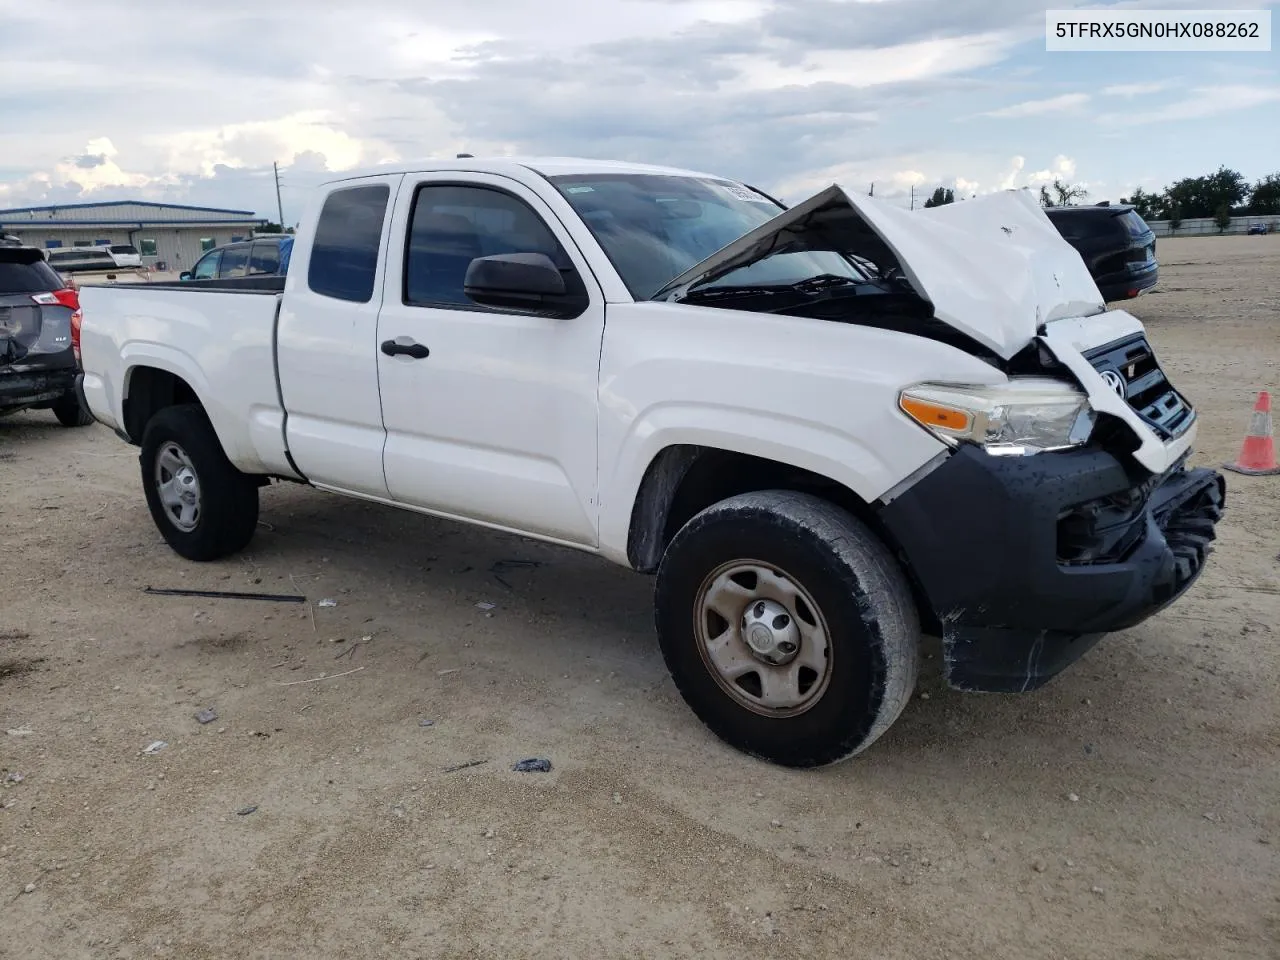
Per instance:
(1258,454)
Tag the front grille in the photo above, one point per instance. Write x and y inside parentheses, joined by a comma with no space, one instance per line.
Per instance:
(1130,365)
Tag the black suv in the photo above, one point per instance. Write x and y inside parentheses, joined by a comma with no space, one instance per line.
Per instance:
(39,333)
(1116,244)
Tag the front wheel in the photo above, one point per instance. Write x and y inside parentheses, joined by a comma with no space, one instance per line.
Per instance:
(203,506)
(788,627)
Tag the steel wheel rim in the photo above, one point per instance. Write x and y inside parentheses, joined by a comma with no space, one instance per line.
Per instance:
(726,602)
(178,486)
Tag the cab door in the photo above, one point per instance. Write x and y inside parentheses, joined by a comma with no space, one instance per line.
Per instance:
(490,413)
(327,339)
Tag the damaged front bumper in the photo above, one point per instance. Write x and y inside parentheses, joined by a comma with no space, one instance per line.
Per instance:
(1028,561)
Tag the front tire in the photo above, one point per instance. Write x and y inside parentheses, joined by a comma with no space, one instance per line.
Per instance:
(203,506)
(71,412)
(788,627)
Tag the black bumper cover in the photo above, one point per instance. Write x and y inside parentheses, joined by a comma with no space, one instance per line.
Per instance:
(1028,561)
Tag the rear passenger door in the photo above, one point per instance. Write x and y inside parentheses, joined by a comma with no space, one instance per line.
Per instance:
(264,258)
(327,338)
(495,420)
(235,261)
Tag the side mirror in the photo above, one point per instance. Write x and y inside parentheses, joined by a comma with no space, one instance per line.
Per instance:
(515,280)
(185,275)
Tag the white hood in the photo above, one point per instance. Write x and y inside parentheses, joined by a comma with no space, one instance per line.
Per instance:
(994,268)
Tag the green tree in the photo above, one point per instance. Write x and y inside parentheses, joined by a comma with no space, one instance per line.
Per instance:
(1045,199)
(1067,194)
(1174,213)
(1202,196)
(1222,218)
(1146,205)
(941,197)
(1265,198)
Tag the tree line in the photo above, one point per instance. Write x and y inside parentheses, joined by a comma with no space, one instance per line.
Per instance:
(1221,195)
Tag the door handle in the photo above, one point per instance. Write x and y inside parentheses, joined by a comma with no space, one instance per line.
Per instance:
(415,350)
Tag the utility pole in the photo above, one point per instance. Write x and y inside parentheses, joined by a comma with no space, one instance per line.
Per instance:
(279,206)
(913,196)
(872,191)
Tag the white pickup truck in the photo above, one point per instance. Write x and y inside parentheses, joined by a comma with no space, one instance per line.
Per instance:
(827,429)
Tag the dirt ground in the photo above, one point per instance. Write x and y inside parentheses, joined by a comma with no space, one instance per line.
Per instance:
(1131,809)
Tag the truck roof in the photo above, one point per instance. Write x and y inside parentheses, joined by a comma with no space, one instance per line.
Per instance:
(548,166)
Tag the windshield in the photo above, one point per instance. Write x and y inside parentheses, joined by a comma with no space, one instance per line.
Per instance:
(655,227)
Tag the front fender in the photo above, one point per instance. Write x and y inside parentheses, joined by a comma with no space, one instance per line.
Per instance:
(812,394)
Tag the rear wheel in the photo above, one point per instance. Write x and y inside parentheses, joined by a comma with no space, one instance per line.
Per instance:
(70,411)
(203,506)
(788,627)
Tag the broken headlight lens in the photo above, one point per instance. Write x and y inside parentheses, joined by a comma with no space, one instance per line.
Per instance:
(1024,416)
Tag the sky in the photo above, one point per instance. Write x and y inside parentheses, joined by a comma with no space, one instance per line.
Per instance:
(188,103)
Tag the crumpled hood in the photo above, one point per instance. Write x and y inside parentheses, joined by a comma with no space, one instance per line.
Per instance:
(994,268)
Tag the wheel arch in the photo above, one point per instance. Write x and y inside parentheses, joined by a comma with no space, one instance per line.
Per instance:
(148,389)
(684,479)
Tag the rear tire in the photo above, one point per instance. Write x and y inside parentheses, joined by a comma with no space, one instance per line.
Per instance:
(203,506)
(71,412)
(788,627)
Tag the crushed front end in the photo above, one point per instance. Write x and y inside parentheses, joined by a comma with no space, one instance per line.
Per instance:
(1026,561)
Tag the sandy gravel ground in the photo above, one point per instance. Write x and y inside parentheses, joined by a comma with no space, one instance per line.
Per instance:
(1131,809)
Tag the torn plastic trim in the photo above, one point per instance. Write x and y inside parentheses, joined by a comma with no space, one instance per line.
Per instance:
(1070,339)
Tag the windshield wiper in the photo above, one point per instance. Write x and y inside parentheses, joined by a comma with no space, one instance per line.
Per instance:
(809,285)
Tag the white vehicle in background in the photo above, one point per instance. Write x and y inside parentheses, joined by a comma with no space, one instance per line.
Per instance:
(824,429)
(125,255)
(68,260)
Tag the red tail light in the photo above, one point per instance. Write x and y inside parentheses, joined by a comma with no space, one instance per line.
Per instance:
(70,297)
(76,319)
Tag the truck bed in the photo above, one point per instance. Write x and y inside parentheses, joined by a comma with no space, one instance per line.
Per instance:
(223,329)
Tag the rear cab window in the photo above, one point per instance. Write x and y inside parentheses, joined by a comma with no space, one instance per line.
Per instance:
(348,238)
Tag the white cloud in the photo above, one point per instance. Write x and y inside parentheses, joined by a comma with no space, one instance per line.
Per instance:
(1135,89)
(790,94)
(873,67)
(1035,108)
(1010,179)
(1202,102)
(1063,168)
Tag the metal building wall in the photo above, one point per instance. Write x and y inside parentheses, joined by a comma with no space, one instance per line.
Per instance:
(177,246)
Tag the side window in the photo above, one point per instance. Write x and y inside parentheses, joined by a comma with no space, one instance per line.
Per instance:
(344,253)
(235,260)
(207,266)
(452,225)
(265,257)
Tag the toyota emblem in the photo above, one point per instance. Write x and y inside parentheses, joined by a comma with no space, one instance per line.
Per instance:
(1115,382)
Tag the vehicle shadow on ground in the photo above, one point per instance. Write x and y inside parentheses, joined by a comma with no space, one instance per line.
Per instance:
(579,607)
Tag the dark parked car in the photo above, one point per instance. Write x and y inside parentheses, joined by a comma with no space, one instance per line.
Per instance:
(1257,230)
(1116,244)
(39,338)
(261,257)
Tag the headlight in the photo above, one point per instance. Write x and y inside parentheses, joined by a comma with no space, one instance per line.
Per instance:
(1024,416)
